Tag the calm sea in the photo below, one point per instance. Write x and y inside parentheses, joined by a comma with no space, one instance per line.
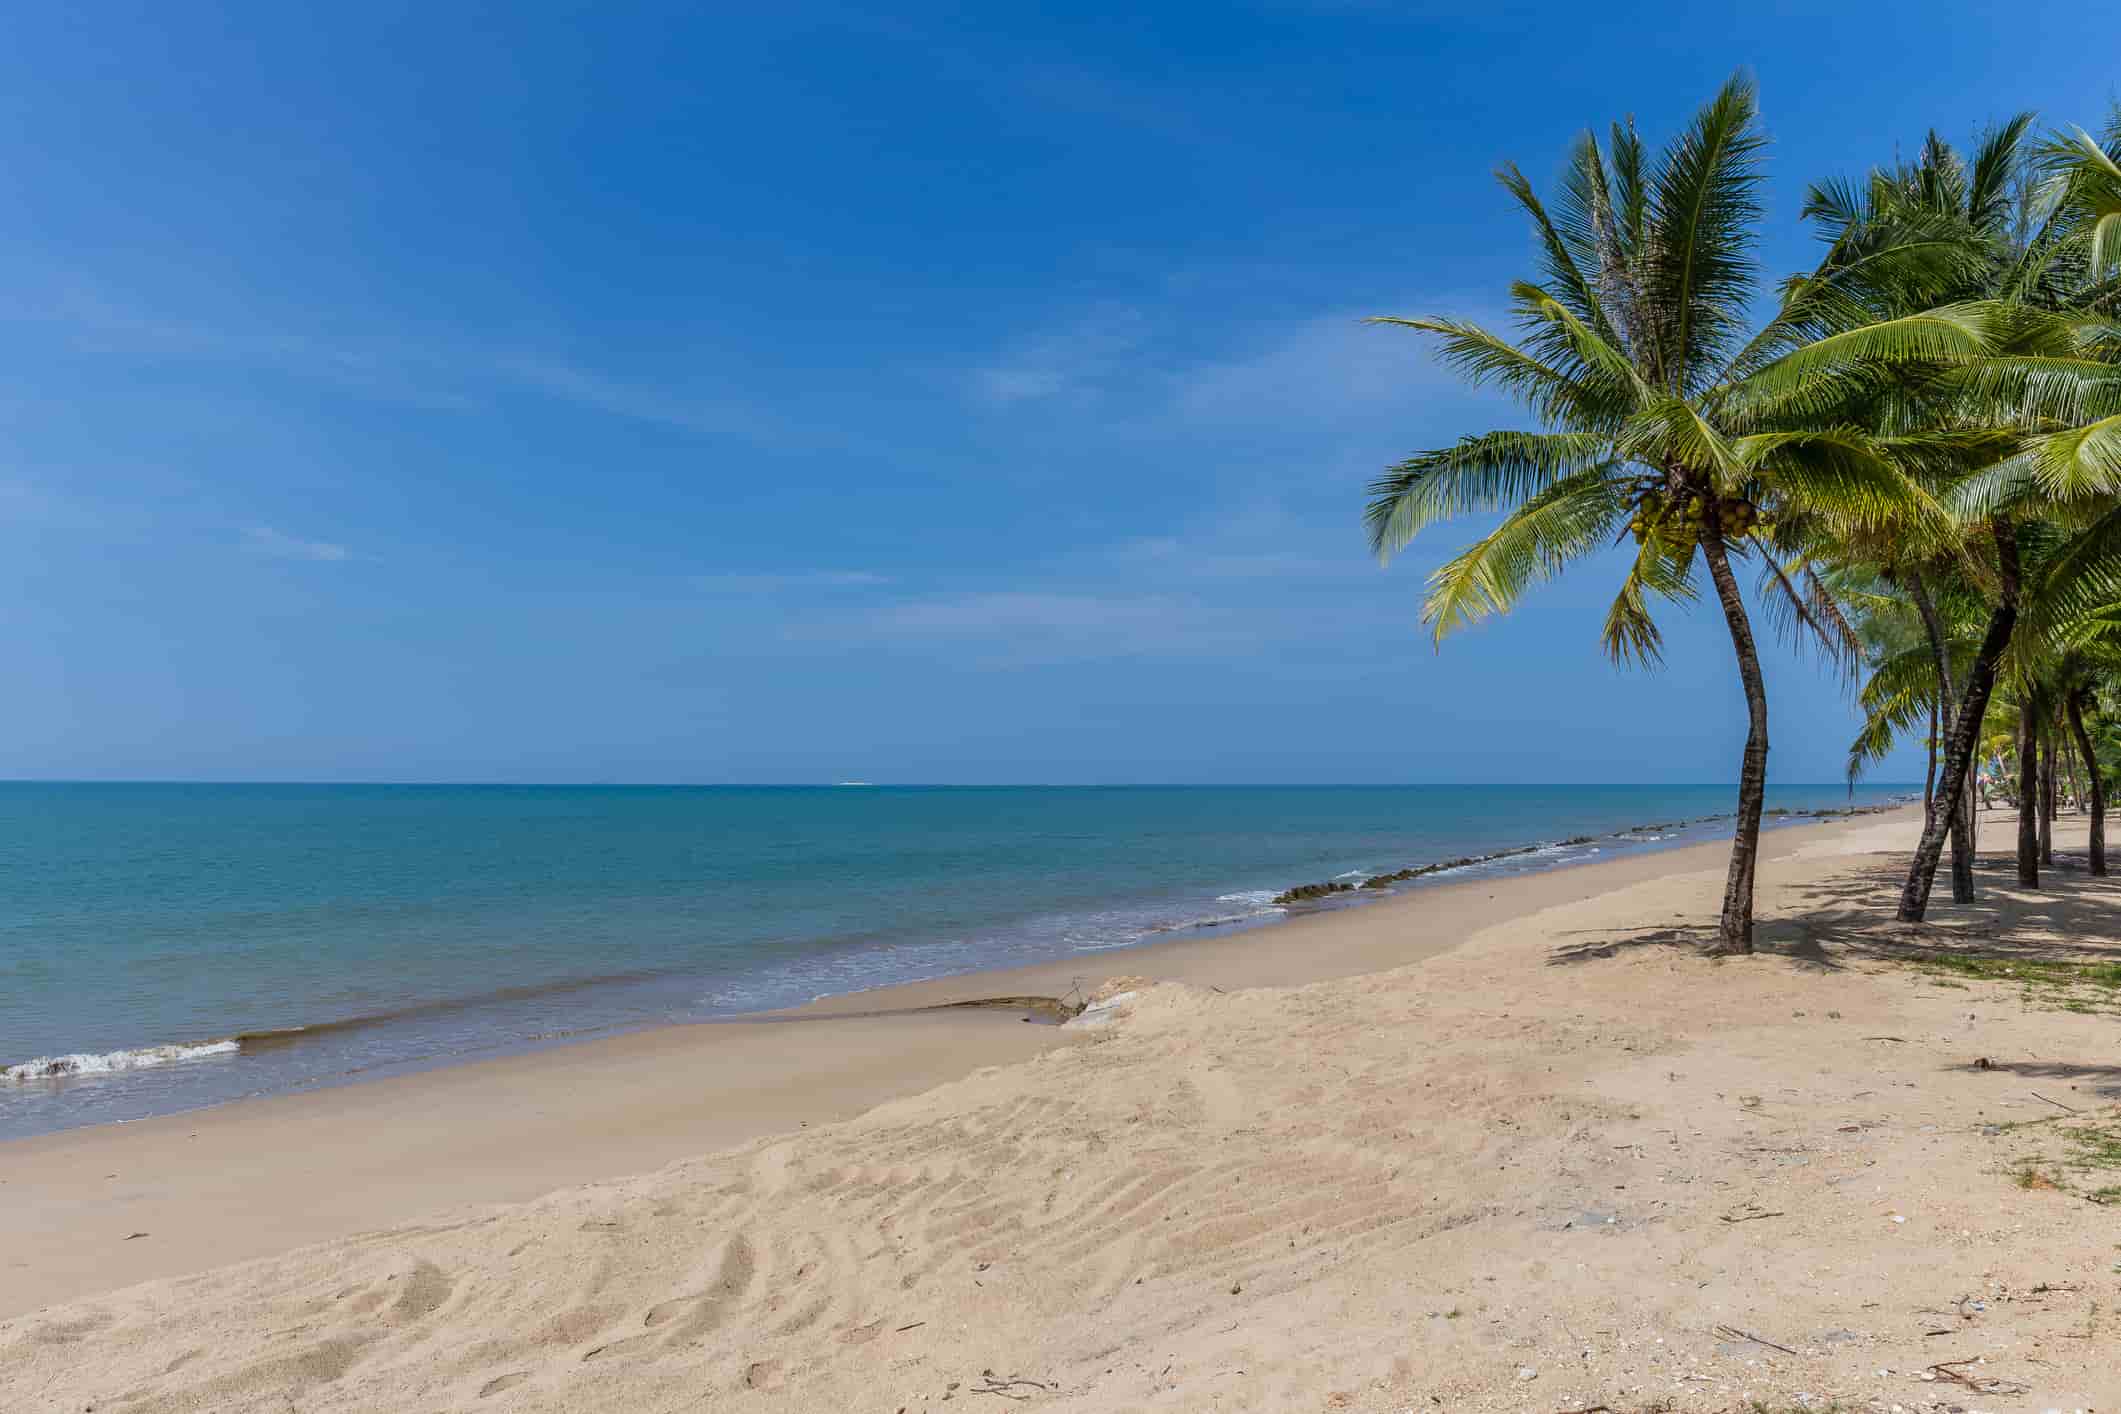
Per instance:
(169,946)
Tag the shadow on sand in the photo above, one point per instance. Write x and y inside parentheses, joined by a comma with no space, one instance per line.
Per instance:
(1847,920)
(2071,917)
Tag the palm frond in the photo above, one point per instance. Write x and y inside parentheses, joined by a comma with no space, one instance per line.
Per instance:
(1704,209)
(1482,357)
(1631,637)
(1479,473)
(1572,517)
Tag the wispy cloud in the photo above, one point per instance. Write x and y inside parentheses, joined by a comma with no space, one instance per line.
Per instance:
(1021,627)
(1074,361)
(637,402)
(1329,365)
(264,540)
(1319,366)
(417,370)
(774,581)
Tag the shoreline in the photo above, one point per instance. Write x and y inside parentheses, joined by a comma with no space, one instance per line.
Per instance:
(256,1176)
(1293,901)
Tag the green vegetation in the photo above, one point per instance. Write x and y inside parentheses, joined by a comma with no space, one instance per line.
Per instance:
(2063,986)
(2080,1155)
(1918,451)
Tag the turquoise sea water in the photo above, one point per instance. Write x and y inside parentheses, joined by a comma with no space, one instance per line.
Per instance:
(168,946)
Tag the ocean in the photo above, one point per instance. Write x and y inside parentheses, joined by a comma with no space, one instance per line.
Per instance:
(164,947)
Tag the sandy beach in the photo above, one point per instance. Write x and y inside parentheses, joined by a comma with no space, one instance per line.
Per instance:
(1491,1145)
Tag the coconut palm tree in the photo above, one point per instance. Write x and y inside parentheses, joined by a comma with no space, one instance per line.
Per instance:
(2054,376)
(1972,209)
(1660,416)
(2082,675)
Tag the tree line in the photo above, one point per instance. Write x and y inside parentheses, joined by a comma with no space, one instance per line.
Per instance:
(1913,448)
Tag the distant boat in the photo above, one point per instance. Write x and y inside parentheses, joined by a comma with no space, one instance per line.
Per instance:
(854,783)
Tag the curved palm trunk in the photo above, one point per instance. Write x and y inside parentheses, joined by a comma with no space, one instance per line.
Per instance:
(1957,791)
(2094,787)
(1734,933)
(1966,723)
(2028,796)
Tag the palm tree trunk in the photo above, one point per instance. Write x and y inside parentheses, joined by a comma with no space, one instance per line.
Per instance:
(1957,789)
(1734,933)
(1929,769)
(1966,723)
(2095,787)
(2047,795)
(2028,794)
(2069,765)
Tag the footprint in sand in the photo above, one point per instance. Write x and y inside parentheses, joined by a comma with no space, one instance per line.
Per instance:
(500,1383)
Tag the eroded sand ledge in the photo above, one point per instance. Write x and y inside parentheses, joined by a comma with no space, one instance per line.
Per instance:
(1565,1164)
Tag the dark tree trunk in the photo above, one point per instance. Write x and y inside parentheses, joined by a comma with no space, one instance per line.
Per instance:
(2047,796)
(2095,788)
(1954,797)
(1734,933)
(2028,794)
(1966,724)
(1929,769)
(2069,764)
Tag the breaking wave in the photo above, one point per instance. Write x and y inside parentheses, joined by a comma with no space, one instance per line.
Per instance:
(110,1062)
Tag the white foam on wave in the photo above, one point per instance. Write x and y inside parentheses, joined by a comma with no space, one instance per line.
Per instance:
(110,1062)
(1255,897)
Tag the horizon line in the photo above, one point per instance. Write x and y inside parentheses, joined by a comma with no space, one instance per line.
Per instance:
(917,785)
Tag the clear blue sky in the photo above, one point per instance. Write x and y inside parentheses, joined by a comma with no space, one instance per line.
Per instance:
(796,392)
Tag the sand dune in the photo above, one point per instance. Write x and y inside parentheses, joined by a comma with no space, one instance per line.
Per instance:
(1568,1164)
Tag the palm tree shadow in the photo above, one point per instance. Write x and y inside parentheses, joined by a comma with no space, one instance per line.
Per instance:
(2101,1080)
(1800,943)
(1848,918)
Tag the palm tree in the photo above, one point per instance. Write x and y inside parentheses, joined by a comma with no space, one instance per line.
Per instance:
(2054,377)
(2082,674)
(1971,209)
(1661,417)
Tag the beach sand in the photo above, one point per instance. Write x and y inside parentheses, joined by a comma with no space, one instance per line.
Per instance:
(1521,1148)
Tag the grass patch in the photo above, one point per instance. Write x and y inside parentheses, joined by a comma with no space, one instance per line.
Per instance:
(2084,1158)
(2098,1146)
(2087,987)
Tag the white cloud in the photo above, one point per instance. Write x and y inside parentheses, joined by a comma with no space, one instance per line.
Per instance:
(759,583)
(264,540)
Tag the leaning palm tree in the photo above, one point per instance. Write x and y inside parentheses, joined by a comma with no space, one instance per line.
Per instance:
(1661,417)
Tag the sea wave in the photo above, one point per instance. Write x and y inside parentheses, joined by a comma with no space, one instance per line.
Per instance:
(109,1062)
(1214,920)
(1256,897)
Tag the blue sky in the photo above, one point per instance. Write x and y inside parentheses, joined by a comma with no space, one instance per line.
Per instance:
(802,392)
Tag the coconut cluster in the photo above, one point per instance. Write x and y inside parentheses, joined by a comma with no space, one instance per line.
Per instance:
(1692,517)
